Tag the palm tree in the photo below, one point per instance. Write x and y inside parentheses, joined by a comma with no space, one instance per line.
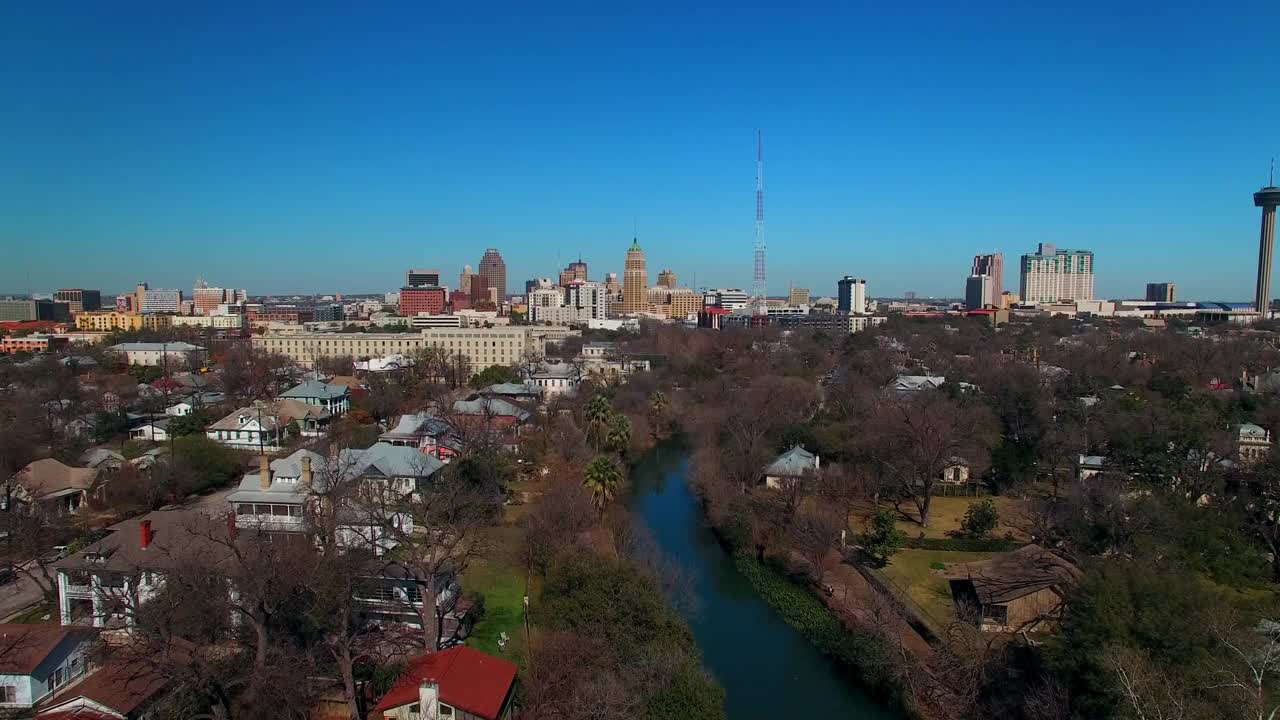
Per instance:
(598,413)
(657,412)
(618,438)
(602,476)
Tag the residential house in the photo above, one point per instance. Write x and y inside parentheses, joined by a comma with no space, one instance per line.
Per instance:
(429,434)
(124,689)
(460,683)
(267,426)
(282,494)
(790,466)
(521,393)
(180,408)
(1088,466)
(554,378)
(334,398)
(151,431)
(1019,591)
(955,471)
(1253,442)
(103,584)
(52,487)
(36,660)
(484,420)
(596,350)
(101,458)
(916,383)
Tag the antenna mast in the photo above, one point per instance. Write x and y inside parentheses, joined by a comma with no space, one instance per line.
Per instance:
(759,288)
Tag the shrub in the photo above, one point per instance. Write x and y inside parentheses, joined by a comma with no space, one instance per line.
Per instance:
(979,520)
(883,538)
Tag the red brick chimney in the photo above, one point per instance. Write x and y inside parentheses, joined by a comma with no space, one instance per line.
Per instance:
(231,524)
(146,534)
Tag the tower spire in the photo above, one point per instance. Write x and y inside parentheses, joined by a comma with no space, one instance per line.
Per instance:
(759,287)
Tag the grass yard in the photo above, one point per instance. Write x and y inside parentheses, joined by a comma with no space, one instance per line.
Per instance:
(945,514)
(35,614)
(911,572)
(500,577)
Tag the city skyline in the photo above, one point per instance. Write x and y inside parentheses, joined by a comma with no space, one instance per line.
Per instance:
(414,137)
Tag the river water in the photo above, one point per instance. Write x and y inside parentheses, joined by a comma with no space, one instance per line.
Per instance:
(768,670)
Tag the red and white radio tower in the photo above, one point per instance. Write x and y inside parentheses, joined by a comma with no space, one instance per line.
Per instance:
(759,288)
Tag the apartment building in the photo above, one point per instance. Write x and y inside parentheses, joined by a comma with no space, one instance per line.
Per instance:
(482,347)
(1050,275)
(79,299)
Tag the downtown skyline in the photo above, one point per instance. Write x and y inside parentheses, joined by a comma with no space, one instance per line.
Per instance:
(193,145)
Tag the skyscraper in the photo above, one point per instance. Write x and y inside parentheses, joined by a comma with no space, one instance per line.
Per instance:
(1050,275)
(990,264)
(979,292)
(422,277)
(464,280)
(1267,198)
(494,272)
(635,280)
(667,279)
(1162,292)
(576,270)
(851,298)
(79,300)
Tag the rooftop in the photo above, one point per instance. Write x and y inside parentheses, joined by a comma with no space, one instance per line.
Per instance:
(44,478)
(468,680)
(792,463)
(178,346)
(24,647)
(316,389)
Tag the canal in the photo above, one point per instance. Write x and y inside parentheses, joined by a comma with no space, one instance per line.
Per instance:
(768,670)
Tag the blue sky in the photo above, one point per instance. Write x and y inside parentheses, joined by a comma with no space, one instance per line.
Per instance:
(328,147)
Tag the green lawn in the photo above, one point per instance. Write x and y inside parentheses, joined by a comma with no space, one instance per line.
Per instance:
(501,578)
(910,571)
(945,514)
(35,614)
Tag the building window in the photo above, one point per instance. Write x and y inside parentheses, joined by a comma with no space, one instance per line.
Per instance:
(8,694)
(446,710)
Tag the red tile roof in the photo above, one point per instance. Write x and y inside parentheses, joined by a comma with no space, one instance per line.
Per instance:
(469,680)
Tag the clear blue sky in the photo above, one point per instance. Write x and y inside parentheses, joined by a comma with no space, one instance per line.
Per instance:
(327,148)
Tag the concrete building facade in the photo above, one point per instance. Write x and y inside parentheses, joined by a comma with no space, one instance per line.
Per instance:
(1049,275)
(479,347)
(635,280)
(494,271)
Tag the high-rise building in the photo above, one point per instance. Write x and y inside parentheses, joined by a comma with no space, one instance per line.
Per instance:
(798,296)
(479,290)
(980,292)
(494,272)
(1050,275)
(726,298)
(851,297)
(429,300)
(464,279)
(1162,292)
(155,300)
(79,300)
(205,299)
(1267,198)
(990,264)
(576,270)
(422,277)
(635,280)
(12,309)
(667,279)
(612,284)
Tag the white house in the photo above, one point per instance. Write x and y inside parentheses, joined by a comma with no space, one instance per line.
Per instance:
(1253,442)
(179,409)
(154,431)
(334,398)
(172,354)
(916,383)
(554,378)
(36,660)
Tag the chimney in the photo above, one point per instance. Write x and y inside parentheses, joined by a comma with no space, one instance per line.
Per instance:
(306,472)
(264,472)
(231,524)
(429,699)
(145,528)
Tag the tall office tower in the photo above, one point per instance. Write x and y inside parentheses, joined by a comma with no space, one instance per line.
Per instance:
(422,299)
(667,279)
(205,299)
(797,296)
(479,290)
(494,272)
(139,295)
(990,264)
(79,299)
(1162,292)
(464,279)
(851,298)
(155,300)
(980,292)
(1267,198)
(635,280)
(612,285)
(422,277)
(576,270)
(1050,275)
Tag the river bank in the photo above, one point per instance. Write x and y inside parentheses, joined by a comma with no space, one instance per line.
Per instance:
(747,645)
